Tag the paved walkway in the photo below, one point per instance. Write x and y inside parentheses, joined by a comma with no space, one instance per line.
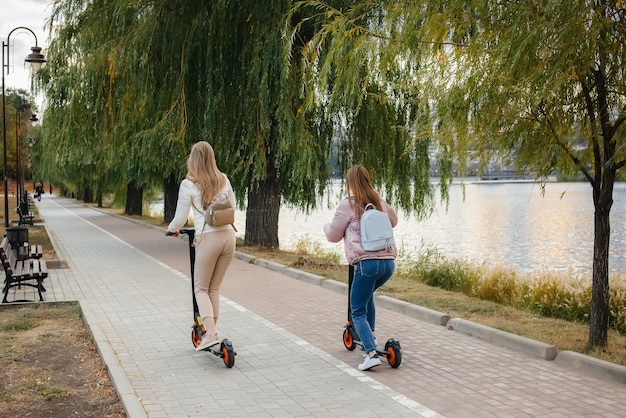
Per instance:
(134,287)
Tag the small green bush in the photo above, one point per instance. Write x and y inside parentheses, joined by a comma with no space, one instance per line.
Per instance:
(307,245)
(436,270)
(617,305)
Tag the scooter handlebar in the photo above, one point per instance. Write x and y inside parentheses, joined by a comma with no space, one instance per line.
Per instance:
(186,231)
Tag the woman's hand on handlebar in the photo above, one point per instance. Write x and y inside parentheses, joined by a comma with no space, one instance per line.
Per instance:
(171,234)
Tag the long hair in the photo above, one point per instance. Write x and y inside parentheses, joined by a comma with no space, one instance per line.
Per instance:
(360,189)
(202,170)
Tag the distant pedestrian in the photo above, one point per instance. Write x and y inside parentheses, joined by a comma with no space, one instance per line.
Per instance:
(215,246)
(39,190)
(371,268)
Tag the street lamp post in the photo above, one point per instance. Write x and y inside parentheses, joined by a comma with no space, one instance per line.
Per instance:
(17,159)
(33,120)
(36,60)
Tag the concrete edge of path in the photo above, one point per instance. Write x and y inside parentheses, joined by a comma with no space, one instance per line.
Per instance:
(586,364)
(592,366)
(126,393)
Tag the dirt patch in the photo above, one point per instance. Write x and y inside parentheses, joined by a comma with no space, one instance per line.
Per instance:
(49,366)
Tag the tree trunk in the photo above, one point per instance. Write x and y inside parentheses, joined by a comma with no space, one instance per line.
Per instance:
(599,317)
(88,194)
(170,196)
(134,199)
(262,214)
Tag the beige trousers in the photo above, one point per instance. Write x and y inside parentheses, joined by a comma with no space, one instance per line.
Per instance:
(214,253)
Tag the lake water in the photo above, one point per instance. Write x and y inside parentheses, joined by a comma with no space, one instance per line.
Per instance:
(508,224)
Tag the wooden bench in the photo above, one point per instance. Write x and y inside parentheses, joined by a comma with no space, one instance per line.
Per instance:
(25,271)
(26,217)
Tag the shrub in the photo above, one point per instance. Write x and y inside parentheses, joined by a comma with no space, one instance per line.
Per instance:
(617,305)
(551,295)
(435,270)
(558,295)
(498,285)
(307,246)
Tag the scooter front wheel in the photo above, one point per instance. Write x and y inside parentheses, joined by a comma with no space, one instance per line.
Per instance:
(228,353)
(348,341)
(393,353)
(196,334)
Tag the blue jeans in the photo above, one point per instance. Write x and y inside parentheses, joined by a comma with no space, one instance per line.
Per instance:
(369,275)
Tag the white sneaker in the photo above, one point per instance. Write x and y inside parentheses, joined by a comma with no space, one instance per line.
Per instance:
(207,342)
(369,362)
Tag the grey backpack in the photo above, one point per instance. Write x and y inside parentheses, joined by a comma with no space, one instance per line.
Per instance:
(376,230)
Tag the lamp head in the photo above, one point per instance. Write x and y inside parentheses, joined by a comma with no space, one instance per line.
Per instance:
(36,58)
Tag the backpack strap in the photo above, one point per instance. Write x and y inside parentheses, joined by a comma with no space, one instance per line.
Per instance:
(365,209)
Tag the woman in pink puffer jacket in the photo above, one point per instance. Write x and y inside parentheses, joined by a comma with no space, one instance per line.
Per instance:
(372,269)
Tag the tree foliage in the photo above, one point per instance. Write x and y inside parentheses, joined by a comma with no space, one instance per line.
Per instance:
(131,85)
(113,116)
(19,108)
(538,83)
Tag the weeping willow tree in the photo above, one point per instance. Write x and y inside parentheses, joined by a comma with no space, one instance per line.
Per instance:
(132,85)
(75,124)
(378,102)
(274,141)
(540,84)
(251,111)
(116,113)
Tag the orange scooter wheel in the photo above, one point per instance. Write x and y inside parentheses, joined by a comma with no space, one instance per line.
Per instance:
(393,354)
(228,354)
(348,341)
(195,336)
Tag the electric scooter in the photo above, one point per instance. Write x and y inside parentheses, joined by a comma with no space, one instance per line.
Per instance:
(225,351)
(351,339)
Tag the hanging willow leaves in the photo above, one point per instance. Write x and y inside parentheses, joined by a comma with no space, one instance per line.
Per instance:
(152,77)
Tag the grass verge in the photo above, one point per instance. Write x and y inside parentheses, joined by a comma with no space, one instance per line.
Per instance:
(49,365)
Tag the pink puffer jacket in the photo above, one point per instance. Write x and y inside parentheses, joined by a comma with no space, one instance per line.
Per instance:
(344,226)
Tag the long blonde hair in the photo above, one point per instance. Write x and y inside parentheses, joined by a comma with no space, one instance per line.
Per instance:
(202,170)
(359,187)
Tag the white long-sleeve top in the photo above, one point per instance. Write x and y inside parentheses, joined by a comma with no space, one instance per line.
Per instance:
(190,198)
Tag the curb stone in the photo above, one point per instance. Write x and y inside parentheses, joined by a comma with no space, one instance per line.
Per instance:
(412,310)
(503,338)
(593,366)
(123,388)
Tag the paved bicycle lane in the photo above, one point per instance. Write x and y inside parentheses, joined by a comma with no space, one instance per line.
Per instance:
(287,333)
